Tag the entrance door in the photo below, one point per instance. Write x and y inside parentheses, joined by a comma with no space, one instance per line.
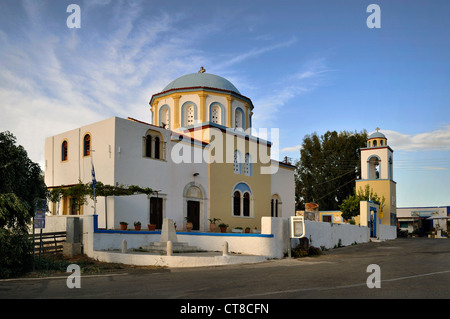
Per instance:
(373,223)
(193,213)
(156,215)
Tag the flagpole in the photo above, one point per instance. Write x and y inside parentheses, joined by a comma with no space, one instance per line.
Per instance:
(94,181)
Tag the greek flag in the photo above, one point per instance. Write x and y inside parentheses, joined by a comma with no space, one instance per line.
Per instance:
(94,181)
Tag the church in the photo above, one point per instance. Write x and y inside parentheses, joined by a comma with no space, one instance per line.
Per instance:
(196,151)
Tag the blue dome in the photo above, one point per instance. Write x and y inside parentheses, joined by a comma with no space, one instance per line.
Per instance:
(377,135)
(202,80)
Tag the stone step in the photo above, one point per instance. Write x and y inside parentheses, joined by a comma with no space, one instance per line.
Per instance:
(176,247)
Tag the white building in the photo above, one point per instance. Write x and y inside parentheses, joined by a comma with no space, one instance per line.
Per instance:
(422,220)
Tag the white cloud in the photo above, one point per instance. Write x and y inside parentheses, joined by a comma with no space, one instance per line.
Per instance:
(434,168)
(291,149)
(436,140)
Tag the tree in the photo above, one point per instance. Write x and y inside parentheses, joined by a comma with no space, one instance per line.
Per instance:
(328,166)
(21,186)
(350,205)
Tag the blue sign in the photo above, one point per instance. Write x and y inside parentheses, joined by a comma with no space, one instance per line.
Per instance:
(39,215)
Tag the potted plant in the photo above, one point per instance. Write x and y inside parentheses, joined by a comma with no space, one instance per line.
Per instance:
(247,230)
(151,227)
(212,224)
(189,224)
(223,227)
(137,225)
(123,225)
(237,230)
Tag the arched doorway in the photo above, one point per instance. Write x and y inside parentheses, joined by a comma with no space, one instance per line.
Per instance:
(194,196)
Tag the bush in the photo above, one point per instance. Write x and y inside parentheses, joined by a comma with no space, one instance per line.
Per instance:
(15,253)
(301,251)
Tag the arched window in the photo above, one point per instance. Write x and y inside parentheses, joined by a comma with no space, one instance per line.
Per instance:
(164,117)
(148,146)
(190,115)
(237,203)
(242,200)
(274,205)
(374,167)
(237,162)
(87,145)
(215,114)
(64,151)
(246,204)
(391,173)
(248,165)
(238,119)
(157,147)
(153,145)
(375,143)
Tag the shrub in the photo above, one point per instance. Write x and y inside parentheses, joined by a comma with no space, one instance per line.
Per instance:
(15,253)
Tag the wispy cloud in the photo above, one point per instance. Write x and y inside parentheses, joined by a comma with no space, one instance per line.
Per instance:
(243,56)
(54,80)
(306,79)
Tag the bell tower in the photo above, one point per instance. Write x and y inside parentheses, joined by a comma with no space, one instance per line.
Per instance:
(377,172)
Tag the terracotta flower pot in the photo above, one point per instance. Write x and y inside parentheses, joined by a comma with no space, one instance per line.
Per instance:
(151,227)
(123,226)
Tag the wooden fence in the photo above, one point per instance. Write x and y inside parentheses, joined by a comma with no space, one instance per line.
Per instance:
(48,243)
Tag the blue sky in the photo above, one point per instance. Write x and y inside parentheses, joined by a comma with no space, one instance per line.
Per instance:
(308,66)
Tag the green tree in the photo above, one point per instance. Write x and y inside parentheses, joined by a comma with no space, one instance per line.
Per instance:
(21,186)
(350,205)
(328,166)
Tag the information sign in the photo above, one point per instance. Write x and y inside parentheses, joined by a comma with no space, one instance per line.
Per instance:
(39,216)
(297,226)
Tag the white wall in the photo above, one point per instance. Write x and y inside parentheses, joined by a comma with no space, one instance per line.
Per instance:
(283,183)
(78,167)
(166,176)
(387,232)
(329,235)
(252,244)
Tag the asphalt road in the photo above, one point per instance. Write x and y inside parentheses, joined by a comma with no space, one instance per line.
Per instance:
(409,268)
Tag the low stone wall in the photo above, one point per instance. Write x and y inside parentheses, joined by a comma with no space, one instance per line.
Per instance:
(387,232)
(328,235)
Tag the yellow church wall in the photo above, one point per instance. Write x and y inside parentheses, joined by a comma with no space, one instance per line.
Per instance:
(222,181)
(386,188)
